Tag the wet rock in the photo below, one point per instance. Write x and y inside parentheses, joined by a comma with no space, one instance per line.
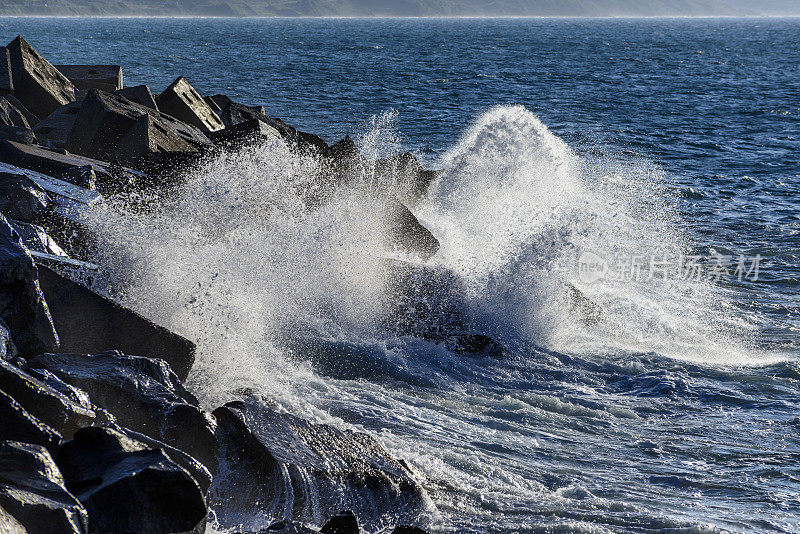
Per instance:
(403,529)
(17,134)
(55,128)
(474,345)
(423,301)
(8,351)
(405,233)
(244,134)
(36,239)
(11,116)
(105,118)
(342,523)
(146,138)
(85,77)
(30,117)
(143,394)
(22,305)
(16,424)
(90,324)
(411,179)
(21,198)
(108,178)
(304,470)
(32,490)
(9,525)
(127,487)
(582,306)
(139,94)
(287,527)
(6,80)
(343,150)
(234,113)
(183,102)
(47,404)
(39,85)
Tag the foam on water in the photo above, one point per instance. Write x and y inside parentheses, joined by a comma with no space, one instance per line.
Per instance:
(234,261)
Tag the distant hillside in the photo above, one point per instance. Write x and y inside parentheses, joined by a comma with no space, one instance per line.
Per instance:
(401,7)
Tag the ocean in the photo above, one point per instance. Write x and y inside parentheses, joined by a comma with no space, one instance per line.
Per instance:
(653,164)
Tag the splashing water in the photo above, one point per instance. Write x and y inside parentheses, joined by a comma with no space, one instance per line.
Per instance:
(235,260)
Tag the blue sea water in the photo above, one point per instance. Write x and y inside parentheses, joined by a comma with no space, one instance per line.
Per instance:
(678,412)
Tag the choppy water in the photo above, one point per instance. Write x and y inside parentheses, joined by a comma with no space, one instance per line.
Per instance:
(677,412)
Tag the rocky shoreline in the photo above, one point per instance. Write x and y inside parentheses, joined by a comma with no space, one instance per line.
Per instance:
(98,432)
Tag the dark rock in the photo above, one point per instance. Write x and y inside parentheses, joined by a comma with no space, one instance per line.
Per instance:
(141,95)
(405,233)
(39,85)
(423,301)
(108,177)
(21,198)
(105,118)
(89,324)
(85,77)
(589,311)
(22,305)
(30,117)
(143,394)
(9,525)
(345,149)
(6,80)
(148,137)
(244,134)
(32,490)
(127,487)
(212,104)
(305,470)
(11,116)
(411,180)
(8,351)
(55,128)
(47,404)
(234,113)
(183,102)
(217,101)
(16,424)
(474,345)
(287,527)
(17,134)
(36,239)
(342,523)
(403,529)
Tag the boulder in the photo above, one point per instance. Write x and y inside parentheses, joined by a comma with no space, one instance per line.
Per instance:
(474,345)
(30,117)
(89,323)
(342,523)
(217,102)
(36,239)
(85,77)
(243,134)
(6,80)
(8,351)
(423,301)
(105,118)
(234,113)
(143,394)
(22,305)
(48,405)
(32,490)
(9,525)
(410,180)
(17,134)
(128,487)
(16,424)
(141,95)
(146,138)
(11,116)
(287,527)
(183,102)
(302,470)
(21,198)
(39,85)
(588,311)
(55,128)
(344,150)
(404,232)
(108,177)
